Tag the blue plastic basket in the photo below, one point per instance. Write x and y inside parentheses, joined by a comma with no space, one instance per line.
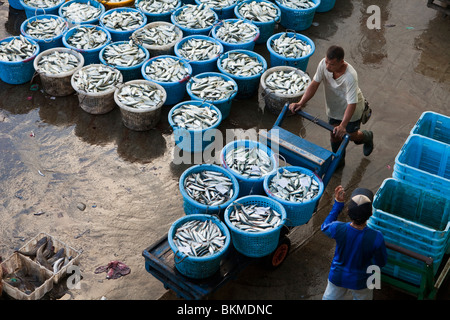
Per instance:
(424,162)
(48,43)
(197,65)
(266,29)
(194,140)
(190,31)
(297,19)
(128,73)
(247,86)
(152,17)
(255,244)
(175,90)
(118,35)
(277,59)
(15,4)
(222,12)
(297,213)
(227,46)
(94,3)
(224,105)
(193,207)
(34,11)
(249,186)
(198,267)
(433,125)
(326,5)
(91,56)
(18,72)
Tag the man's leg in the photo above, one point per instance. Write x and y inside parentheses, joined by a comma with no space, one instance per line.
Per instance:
(363,294)
(333,292)
(363,137)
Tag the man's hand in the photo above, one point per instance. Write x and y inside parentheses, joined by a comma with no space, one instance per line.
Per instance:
(339,193)
(339,131)
(296,106)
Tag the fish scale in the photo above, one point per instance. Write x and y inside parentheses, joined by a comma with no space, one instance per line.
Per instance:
(258,11)
(166,70)
(199,49)
(196,17)
(80,12)
(212,88)
(96,78)
(87,38)
(45,28)
(17,49)
(290,46)
(218,3)
(140,96)
(241,64)
(123,20)
(42,3)
(158,6)
(192,117)
(254,218)
(286,82)
(237,32)
(159,35)
(124,54)
(208,187)
(249,162)
(294,186)
(298,4)
(57,62)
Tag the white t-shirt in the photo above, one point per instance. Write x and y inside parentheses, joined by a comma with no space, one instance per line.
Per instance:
(340,92)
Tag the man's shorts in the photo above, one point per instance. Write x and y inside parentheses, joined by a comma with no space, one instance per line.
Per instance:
(351,126)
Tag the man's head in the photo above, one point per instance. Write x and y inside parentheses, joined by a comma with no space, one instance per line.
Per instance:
(360,205)
(334,58)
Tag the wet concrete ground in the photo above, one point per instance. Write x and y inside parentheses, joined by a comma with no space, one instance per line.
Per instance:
(130,184)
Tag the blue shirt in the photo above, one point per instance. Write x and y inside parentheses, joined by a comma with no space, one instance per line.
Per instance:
(355,251)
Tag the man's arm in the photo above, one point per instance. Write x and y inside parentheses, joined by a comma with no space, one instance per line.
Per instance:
(335,211)
(309,93)
(340,130)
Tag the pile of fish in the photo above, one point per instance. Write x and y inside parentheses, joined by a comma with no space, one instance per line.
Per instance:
(193,117)
(17,49)
(290,47)
(258,11)
(87,38)
(209,187)
(44,254)
(286,82)
(57,62)
(254,218)
(212,88)
(242,64)
(199,49)
(218,3)
(140,96)
(125,54)
(195,17)
(199,238)
(237,31)
(123,20)
(249,162)
(298,4)
(167,70)
(42,3)
(294,186)
(96,78)
(80,12)
(157,6)
(45,28)
(160,35)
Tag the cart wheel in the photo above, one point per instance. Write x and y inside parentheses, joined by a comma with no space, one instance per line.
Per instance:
(276,258)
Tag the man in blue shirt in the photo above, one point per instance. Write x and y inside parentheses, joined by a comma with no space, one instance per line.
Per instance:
(357,246)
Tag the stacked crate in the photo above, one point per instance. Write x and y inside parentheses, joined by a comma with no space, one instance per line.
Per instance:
(412,209)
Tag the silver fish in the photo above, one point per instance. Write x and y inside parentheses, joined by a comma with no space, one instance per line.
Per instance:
(140,96)
(80,12)
(199,49)
(96,78)
(123,54)
(282,82)
(158,6)
(249,162)
(237,31)
(294,186)
(212,88)
(199,238)
(167,70)
(193,117)
(254,218)
(218,4)
(45,28)
(57,62)
(298,4)
(17,49)
(290,46)
(42,3)
(241,64)
(209,187)
(160,35)
(87,38)
(195,16)
(258,11)
(123,20)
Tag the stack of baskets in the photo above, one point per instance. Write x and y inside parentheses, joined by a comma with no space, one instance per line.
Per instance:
(412,209)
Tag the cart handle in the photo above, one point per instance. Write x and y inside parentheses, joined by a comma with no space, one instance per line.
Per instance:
(412,254)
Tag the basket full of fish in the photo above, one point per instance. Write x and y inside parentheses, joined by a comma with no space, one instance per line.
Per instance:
(223,8)
(245,67)
(263,13)
(56,67)
(140,103)
(201,51)
(194,19)
(47,30)
(290,49)
(17,55)
(126,56)
(199,243)
(95,85)
(207,189)
(214,87)
(194,124)
(87,40)
(249,161)
(78,12)
(255,223)
(298,189)
(236,34)
(122,22)
(158,10)
(158,37)
(171,72)
(281,85)
(297,15)
(38,7)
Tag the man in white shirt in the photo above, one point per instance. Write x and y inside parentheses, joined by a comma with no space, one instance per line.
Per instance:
(344,100)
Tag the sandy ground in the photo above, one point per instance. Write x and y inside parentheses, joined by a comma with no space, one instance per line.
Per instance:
(55,156)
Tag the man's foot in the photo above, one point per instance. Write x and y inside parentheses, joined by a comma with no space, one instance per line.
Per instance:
(368,142)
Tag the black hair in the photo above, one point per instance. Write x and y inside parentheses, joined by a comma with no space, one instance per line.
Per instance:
(335,52)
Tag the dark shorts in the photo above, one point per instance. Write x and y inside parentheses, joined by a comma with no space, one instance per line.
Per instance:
(351,126)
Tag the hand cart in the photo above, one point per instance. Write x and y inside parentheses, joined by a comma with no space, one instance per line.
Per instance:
(159,258)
